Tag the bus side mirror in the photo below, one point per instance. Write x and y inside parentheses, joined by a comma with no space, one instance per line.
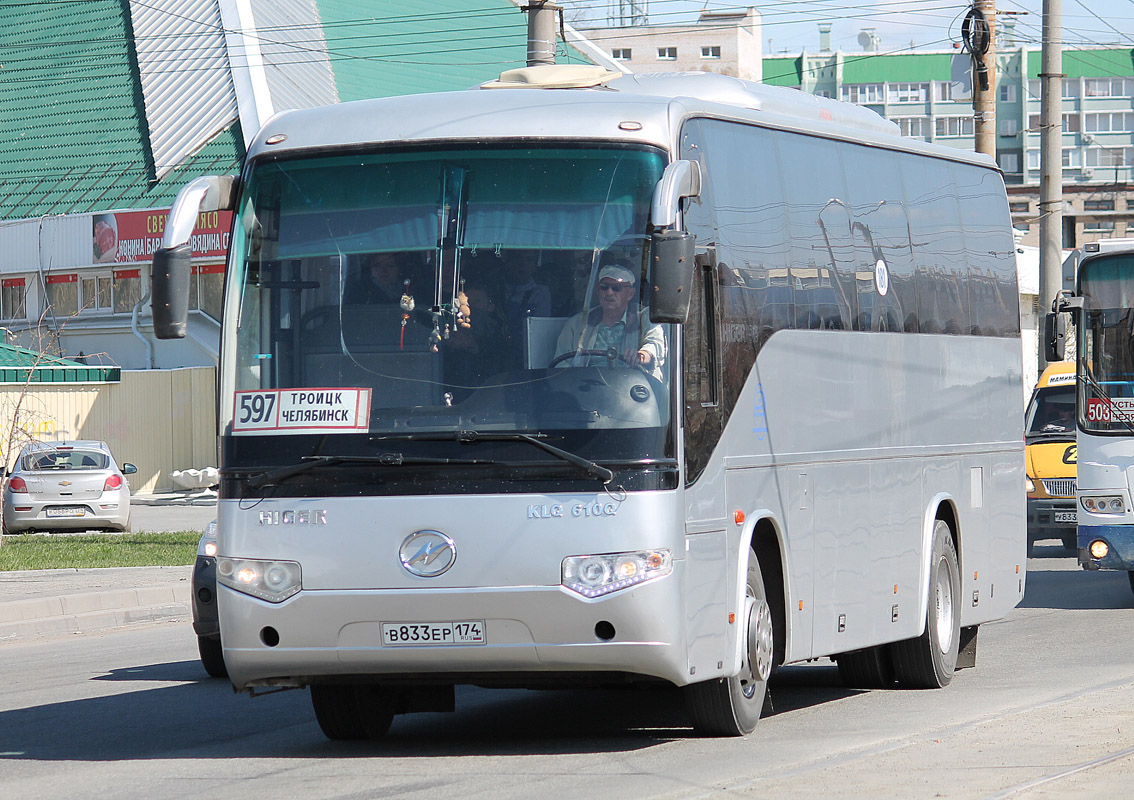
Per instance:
(1054,335)
(671,276)
(169,280)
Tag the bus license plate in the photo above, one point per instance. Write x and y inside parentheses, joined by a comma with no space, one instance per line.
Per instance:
(65,512)
(419,634)
(1065,516)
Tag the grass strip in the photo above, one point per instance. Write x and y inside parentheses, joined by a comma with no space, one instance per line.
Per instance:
(85,551)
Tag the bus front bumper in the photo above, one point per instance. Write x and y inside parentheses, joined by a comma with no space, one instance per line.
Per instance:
(1119,540)
(326,636)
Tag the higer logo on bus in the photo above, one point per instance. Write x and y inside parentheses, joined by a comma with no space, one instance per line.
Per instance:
(304,517)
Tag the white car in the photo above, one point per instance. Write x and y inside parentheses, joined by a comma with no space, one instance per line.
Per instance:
(67,486)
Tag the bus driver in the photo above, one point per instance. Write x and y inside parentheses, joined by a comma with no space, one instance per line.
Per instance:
(615,329)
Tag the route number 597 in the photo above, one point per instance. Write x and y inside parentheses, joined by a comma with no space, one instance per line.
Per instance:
(256,408)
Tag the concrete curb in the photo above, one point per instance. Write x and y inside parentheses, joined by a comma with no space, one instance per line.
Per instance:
(51,602)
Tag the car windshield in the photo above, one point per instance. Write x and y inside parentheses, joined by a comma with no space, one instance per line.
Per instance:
(444,291)
(40,460)
(1052,411)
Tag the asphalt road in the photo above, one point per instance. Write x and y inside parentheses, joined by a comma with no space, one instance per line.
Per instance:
(171,518)
(1046,714)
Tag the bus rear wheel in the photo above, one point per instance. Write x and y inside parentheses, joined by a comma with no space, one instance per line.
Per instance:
(353,711)
(870,668)
(928,661)
(732,706)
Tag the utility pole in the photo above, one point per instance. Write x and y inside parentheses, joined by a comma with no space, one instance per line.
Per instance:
(1051,164)
(542,15)
(984,82)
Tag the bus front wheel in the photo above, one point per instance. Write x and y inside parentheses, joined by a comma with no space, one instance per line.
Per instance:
(928,661)
(353,711)
(732,706)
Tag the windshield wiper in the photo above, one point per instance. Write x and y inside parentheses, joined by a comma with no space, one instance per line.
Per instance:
(534,439)
(382,460)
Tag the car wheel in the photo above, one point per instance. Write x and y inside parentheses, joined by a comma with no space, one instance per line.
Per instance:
(928,661)
(732,706)
(212,656)
(353,711)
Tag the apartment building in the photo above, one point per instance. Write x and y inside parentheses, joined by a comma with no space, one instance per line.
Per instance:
(724,42)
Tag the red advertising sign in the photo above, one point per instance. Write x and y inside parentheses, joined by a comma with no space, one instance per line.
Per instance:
(127,237)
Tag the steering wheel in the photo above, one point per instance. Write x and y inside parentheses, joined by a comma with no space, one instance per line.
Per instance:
(610,354)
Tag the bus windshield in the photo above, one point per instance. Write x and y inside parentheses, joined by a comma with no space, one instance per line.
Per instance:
(452,290)
(1107,350)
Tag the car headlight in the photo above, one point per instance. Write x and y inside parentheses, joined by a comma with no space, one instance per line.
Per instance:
(274,581)
(1029,484)
(208,544)
(1109,504)
(596,575)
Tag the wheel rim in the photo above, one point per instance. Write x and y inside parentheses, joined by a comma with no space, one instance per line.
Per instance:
(943,597)
(758,654)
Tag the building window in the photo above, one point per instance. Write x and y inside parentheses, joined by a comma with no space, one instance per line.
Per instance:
(713,51)
(907,92)
(861,93)
(943,91)
(1070,123)
(620,54)
(1110,156)
(13,295)
(917,127)
(1072,158)
(62,295)
(1010,163)
(953,126)
(1009,127)
(1007,93)
(1020,206)
(1108,87)
(667,53)
(1098,205)
(1109,122)
(127,287)
(1098,226)
(95,293)
(207,285)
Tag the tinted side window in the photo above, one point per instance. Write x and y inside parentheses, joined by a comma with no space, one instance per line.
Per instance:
(994,305)
(818,282)
(938,246)
(881,234)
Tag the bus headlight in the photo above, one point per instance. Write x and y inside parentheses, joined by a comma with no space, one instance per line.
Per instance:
(596,575)
(208,544)
(274,581)
(1109,504)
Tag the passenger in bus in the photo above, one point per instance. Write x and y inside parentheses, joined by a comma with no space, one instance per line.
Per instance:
(380,281)
(615,330)
(523,296)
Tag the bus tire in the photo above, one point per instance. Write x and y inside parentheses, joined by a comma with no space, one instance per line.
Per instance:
(928,661)
(732,706)
(353,711)
(212,656)
(870,668)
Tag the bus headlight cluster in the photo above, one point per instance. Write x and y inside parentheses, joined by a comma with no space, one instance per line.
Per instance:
(596,575)
(274,581)
(1104,505)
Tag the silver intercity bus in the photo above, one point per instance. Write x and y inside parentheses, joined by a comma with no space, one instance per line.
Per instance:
(578,378)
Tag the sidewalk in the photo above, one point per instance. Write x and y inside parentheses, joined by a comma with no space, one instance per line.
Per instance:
(36,603)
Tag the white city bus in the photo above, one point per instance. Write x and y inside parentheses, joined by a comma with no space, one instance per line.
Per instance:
(637,379)
(1103,309)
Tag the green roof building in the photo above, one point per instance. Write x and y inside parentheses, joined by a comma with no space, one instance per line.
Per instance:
(111,106)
